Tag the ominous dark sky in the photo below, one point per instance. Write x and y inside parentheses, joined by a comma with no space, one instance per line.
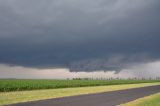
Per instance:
(82,35)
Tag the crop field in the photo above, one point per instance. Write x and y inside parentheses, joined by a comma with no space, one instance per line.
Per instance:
(34,95)
(21,85)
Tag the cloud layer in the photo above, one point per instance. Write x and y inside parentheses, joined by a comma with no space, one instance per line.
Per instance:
(151,70)
(78,34)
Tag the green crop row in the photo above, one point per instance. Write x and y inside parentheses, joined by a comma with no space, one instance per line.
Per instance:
(21,85)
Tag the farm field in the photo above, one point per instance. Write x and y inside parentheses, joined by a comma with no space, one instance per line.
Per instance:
(33,95)
(21,85)
(153,100)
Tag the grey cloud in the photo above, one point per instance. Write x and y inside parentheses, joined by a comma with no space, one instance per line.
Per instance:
(78,34)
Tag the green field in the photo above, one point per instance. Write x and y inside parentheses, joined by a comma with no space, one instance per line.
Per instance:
(153,100)
(21,85)
(33,95)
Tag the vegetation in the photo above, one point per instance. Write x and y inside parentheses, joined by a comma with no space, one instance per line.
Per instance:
(21,85)
(153,100)
(24,96)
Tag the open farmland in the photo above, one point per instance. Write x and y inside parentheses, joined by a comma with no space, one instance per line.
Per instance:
(20,85)
(35,95)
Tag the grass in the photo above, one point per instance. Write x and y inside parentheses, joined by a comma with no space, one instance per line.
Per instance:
(24,96)
(153,100)
(21,85)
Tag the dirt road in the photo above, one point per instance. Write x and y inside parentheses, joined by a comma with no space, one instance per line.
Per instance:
(113,98)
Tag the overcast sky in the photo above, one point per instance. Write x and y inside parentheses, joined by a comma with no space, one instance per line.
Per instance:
(79,35)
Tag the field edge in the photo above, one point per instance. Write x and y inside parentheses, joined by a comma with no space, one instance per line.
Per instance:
(152,100)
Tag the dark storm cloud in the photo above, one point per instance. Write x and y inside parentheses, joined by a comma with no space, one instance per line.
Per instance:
(78,34)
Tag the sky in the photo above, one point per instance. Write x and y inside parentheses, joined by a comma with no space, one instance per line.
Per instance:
(79,38)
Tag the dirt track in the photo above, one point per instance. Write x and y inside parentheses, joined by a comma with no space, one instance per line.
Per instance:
(113,98)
